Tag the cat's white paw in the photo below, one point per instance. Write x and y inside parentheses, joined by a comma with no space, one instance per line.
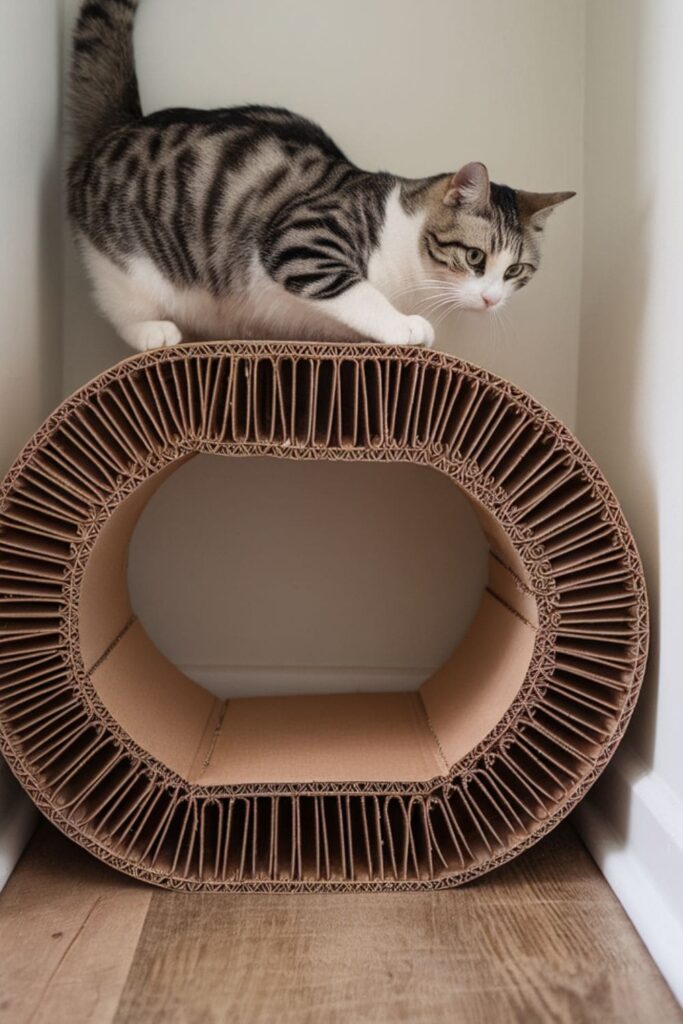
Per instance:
(150,334)
(415,330)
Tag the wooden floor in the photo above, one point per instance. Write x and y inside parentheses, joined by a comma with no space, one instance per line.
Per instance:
(541,940)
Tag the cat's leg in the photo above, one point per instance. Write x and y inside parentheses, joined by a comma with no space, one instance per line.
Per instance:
(134,299)
(364,309)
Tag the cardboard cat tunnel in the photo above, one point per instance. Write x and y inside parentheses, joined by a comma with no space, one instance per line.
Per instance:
(159,778)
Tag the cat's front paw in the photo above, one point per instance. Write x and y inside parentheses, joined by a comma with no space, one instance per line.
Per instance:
(150,334)
(415,330)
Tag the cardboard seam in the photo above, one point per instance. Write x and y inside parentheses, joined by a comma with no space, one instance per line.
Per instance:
(418,706)
(216,734)
(519,582)
(196,769)
(108,651)
(505,604)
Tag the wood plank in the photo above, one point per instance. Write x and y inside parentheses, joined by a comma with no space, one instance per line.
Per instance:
(69,927)
(542,940)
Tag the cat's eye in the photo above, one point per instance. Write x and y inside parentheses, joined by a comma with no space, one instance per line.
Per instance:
(475,258)
(514,271)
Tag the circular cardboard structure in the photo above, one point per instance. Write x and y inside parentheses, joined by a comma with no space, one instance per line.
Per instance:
(157,777)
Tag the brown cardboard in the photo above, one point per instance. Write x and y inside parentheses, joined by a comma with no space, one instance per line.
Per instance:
(395,790)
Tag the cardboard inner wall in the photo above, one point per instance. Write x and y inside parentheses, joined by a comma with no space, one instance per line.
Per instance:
(323,738)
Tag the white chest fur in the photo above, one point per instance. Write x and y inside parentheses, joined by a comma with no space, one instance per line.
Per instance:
(396,265)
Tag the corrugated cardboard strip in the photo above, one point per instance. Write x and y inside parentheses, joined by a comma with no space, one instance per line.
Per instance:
(383,791)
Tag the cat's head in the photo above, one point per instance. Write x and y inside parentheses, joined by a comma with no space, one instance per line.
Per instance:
(484,239)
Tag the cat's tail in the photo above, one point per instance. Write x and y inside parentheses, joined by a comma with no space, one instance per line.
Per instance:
(103,89)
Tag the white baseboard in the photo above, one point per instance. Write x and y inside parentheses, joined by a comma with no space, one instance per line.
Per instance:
(632,823)
(231,681)
(18,819)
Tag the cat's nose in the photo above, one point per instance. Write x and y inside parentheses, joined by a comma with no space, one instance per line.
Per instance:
(491,300)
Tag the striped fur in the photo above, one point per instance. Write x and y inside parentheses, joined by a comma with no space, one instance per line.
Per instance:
(250,221)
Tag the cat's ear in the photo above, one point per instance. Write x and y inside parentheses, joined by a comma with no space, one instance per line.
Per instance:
(536,207)
(470,188)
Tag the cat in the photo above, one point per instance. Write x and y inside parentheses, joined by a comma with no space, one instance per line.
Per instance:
(250,222)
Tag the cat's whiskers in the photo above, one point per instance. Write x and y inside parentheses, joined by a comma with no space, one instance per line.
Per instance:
(508,325)
(429,285)
(449,302)
(445,314)
(430,296)
(433,302)
(497,328)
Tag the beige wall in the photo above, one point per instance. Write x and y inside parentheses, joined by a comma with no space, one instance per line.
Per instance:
(30,270)
(630,415)
(631,378)
(30,254)
(416,88)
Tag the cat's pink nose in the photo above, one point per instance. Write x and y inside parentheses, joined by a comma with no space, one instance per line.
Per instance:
(491,300)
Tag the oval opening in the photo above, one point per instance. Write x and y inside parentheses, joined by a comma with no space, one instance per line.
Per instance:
(284,622)
(260,577)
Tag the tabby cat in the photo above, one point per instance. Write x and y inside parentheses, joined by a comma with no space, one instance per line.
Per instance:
(250,222)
